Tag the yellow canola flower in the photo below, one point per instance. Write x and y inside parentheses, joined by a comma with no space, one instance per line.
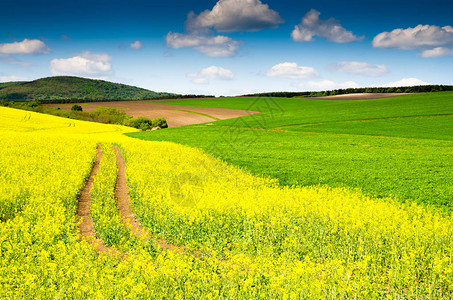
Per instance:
(244,236)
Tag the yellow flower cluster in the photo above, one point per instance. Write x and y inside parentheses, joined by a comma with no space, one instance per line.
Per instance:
(244,236)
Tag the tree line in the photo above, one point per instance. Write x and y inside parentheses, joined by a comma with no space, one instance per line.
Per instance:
(412,89)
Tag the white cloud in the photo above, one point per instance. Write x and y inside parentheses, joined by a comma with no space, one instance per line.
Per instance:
(26,47)
(330,29)
(362,68)
(437,52)
(7,78)
(235,15)
(406,82)
(421,36)
(292,71)
(85,64)
(212,72)
(225,16)
(137,45)
(213,46)
(324,85)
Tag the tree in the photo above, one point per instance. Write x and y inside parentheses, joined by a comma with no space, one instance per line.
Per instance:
(76,107)
(160,122)
(141,123)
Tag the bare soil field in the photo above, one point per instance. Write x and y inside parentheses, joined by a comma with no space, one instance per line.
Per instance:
(174,114)
(362,96)
(174,118)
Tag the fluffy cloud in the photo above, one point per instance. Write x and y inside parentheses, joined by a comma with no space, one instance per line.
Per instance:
(324,85)
(406,82)
(330,29)
(292,71)
(26,47)
(421,36)
(437,52)
(235,15)
(85,64)
(225,16)
(7,78)
(212,72)
(137,45)
(213,46)
(362,68)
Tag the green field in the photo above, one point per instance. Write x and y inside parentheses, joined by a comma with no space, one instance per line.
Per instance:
(398,146)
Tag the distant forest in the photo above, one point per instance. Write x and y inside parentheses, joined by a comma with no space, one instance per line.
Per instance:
(412,89)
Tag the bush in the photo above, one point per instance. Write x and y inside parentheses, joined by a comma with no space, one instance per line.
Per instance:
(33,104)
(140,123)
(76,107)
(160,122)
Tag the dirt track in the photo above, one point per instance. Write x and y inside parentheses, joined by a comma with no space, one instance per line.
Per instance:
(124,207)
(175,115)
(362,96)
(86,227)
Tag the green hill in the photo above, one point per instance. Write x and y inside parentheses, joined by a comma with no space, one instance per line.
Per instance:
(66,88)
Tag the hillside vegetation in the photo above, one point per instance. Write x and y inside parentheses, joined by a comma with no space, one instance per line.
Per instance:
(55,89)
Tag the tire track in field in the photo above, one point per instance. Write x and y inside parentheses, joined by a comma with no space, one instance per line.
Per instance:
(124,207)
(86,227)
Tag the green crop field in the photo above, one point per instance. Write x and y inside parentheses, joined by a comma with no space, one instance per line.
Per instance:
(400,147)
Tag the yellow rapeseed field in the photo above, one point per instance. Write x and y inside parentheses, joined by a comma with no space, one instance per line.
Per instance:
(242,236)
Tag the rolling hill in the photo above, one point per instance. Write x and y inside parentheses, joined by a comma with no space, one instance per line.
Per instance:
(59,88)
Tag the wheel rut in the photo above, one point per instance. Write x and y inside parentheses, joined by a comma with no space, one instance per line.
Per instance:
(124,207)
(86,227)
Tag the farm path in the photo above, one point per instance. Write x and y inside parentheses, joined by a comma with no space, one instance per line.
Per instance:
(124,207)
(86,227)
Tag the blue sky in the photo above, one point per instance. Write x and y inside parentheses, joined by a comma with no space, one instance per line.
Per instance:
(230,47)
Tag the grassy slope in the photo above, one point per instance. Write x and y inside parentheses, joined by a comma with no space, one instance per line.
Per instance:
(280,112)
(419,167)
(66,87)
(430,127)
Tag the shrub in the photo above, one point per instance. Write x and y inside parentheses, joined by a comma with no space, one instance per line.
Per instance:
(140,123)
(33,104)
(160,122)
(76,107)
